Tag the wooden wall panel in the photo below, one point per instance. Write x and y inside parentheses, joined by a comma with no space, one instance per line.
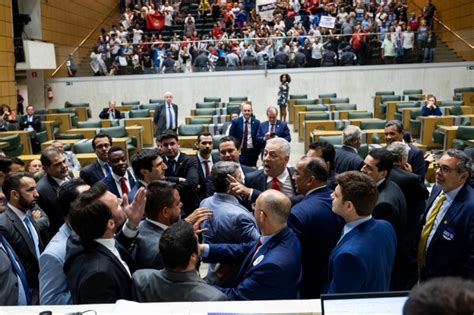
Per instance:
(67,23)
(7,62)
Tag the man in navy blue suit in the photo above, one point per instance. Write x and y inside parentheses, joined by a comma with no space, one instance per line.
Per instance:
(394,132)
(347,157)
(245,129)
(445,241)
(121,180)
(313,222)
(147,166)
(270,267)
(363,258)
(96,171)
(272,128)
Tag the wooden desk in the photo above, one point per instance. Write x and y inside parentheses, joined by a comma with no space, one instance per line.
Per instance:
(24,138)
(430,173)
(81,113)
(125,108)
(310,125)
(137,132)
(188,151)
(83,158)
(377,108)
(187,141)
(64,121)
(87,133)
(468,98)
(391,108)
(148,128)
(300,120)
(296,117)
(406,116)
(64,141)
(449,135)
(4,145)
(291,114)
(429,124)
(315,134)
(370,132)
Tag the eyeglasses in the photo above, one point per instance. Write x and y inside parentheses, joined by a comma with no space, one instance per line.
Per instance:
(254,208)
(442,168)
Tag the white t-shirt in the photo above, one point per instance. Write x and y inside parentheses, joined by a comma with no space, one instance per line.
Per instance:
(408,40)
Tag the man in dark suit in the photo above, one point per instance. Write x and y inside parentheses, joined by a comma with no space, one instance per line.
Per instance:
(394,132)
(96,171)
(147,166)
(390,206)
(182,170)
(272,128)
(326,151)
(178,281)
(347,157)
(313,222)
(363,258)
(166,115)
(225,128)
(270,267)
(19,229)
(204,161)
(30,122)
(121,181)
(274,175)
(445,245)
(229,150)
(110,112)
(98,269)
(57,173)
(245,129)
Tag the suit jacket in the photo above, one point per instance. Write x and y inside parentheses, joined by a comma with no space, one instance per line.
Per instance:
(135,188)
(186,168)
(109,181)
(18,237)
(48,194)
(362,260)
(273,274)
(258,182)
(417,161)
(347,159)
(104,114)
(10,287)
(225,128)
(160,118)
(237,130)
(24,123)
(95,275)
(203,180)
(451,250)
(318,230)
(146,251)
(92,173)
(281,131)
(167,286)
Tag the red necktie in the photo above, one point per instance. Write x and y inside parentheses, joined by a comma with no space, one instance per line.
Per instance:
(123,185)
(246,135)
(257,246)
(272,129)
(206,167)
(276,184)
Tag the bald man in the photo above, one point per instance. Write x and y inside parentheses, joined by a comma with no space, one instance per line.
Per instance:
(166,115)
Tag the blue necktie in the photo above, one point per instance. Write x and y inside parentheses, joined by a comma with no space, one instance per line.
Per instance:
(33,235)
(107,169)
(24,293)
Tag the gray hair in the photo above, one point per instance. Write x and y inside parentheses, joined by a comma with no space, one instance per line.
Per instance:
(399,150)
(219,173)
(269,108)
(282,143)
(464,162)
(351,135)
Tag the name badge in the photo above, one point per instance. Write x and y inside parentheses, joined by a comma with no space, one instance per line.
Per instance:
(258,260)
(448,234)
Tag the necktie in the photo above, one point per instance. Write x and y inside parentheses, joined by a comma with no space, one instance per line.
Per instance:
(107,169)
(206,167)
(276,184)
(171,167)
(24,297)
(272,128)
(246,135)
(427,230)
(123,185)
(33,235)
(170,117)
(257,246)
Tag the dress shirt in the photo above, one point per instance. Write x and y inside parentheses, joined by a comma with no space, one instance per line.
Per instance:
(450,196)
(60,182)
(102,164)
(29,119)
(209,163)
(109,243)
(349,226)
(284,180)
(158,224)
(249,136)
(119,184)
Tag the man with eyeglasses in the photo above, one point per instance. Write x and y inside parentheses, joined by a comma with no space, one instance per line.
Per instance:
(96,171)
(445,240)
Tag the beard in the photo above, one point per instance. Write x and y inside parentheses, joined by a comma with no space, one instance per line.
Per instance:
(25,204)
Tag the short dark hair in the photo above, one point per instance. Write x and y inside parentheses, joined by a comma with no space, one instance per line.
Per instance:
(445,295)
(101,135)
(315,168)
(177,244)
(384,157)
(168,134)
(359,189)
(143,160)
(219,173)
(88,215)
(17,160)
(67,193)
(398,125)
(230,139)
(114,149)
(13,182)
(159,194)
(5,163)
(203,134)
(47,154)
(329,153)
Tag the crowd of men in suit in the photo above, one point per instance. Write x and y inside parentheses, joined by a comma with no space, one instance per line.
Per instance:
(334,223)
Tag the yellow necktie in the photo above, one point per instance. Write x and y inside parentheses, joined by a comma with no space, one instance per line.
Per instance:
(427,230)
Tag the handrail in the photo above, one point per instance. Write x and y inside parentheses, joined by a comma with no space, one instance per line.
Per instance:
(113,10)
(446,27)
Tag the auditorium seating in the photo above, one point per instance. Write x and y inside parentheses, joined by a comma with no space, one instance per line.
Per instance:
(15,147)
